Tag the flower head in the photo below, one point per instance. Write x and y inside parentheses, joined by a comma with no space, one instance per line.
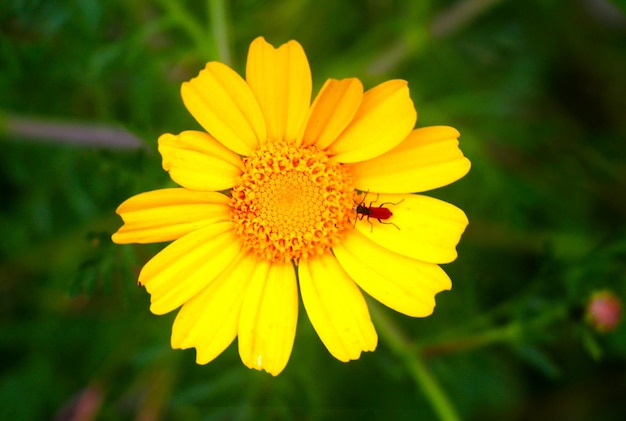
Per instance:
(268,203)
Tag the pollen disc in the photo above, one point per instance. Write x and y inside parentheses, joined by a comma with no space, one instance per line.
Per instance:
(291,202)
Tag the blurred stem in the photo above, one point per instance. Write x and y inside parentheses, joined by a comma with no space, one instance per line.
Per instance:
(190,25)
(68,133)
(413,355)
(509,333)
(218,20)
(487,337)
(396,340)
(460,15)
(413,38)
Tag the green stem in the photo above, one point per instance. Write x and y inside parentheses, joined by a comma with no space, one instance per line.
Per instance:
(190,25)
(459,15)
(394,338)
(218,19)
(480,339)
(508,333)
(413,355)
(438,398)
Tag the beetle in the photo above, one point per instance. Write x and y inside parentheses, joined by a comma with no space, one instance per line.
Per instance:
(380,213)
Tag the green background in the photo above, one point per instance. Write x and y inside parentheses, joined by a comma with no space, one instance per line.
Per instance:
(538,92)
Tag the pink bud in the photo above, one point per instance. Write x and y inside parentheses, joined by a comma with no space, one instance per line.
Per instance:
(604,311)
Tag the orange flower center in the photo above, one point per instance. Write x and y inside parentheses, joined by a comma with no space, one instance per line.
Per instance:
(291,202)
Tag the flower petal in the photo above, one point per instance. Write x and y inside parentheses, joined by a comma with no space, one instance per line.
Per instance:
(332,111)
(336,308)
(401,283)
(197,161)
(281,81)
(267,325)
(168,214)
(425,228)
(429,158)
(188,265)
(221,101)
(209,321)
(384,119)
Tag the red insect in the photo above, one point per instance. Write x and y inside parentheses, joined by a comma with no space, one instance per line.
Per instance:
(380,213)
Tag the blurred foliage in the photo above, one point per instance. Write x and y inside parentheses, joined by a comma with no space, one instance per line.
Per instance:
(537,90)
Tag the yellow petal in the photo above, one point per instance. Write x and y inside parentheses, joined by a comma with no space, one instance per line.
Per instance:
(267,325)
(188,265)
(401,283)
(209,321)
(429,158)
(198,162)
(384,119)
(332,111)
(221,101)
(421,227)
(281,82)
(167,214)
(336,308)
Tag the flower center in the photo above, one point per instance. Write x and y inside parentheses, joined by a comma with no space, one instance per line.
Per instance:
(291,202)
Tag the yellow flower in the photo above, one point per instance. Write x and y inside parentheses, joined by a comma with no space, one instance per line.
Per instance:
(269,202)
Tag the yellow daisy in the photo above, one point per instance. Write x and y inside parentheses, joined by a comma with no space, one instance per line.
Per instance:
(268,203)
